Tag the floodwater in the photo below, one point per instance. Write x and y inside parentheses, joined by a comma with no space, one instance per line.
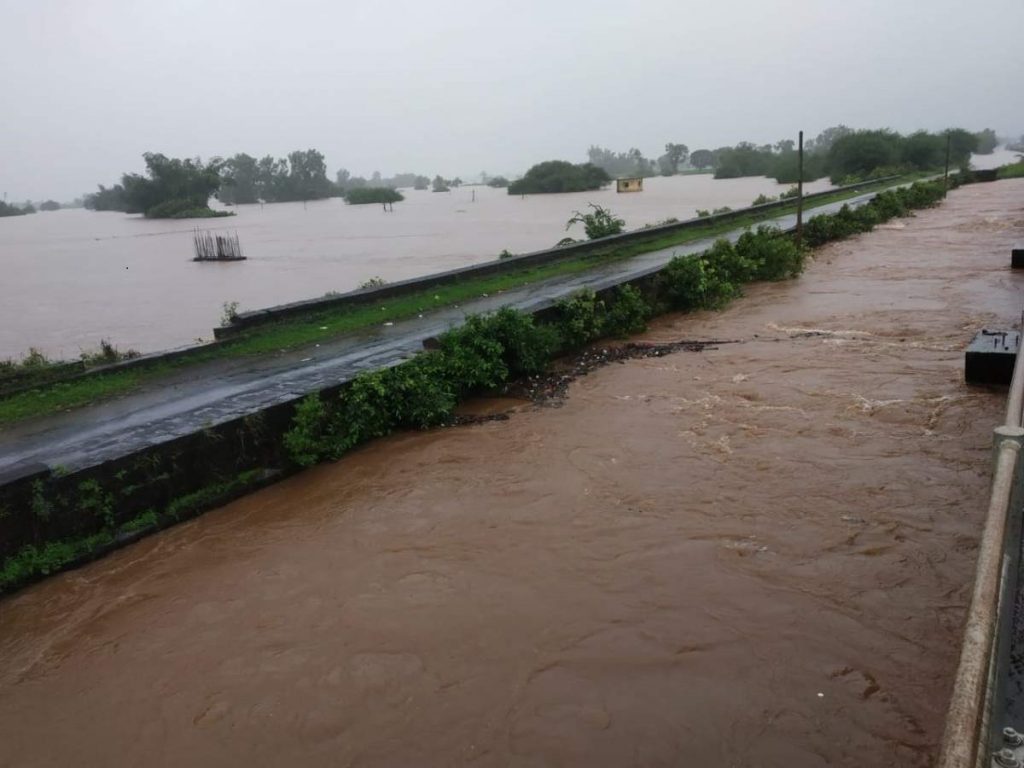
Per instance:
(74,277)
(756,555)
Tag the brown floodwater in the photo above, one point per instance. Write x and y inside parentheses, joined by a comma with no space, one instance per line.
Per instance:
(759,554)
(74,277)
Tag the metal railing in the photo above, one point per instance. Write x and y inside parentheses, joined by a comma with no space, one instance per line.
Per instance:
(966,742)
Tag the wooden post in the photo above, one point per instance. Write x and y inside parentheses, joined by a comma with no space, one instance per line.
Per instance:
(945,176)
(800,193)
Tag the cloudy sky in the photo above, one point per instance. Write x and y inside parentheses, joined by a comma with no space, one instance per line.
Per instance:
(460,86)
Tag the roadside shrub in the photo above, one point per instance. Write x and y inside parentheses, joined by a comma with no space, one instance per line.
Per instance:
(527,346)
(729,264)
(472,356)
(580,318)
(308,441)
(774,255)
(628,313)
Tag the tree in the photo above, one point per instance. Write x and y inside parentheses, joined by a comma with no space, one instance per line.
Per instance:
(173,188)
(961,144)
(785,145)
(497,182)
(702,158)
(987,141)
(240,179)
(308,175)
(9,209)
(600,223)
(621,164)
(559,176)
(745,159)
(439,184)
(49,205)
(386,196)
(860,153)
(105,199)
(924,150)
(676,155)
(823,141)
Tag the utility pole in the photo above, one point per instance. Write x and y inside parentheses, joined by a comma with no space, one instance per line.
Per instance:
(945,177)
(800,194)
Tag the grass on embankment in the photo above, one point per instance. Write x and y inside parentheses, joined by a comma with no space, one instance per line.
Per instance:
(325,326)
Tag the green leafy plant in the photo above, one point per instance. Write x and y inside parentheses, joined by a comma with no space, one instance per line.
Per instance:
(600,223)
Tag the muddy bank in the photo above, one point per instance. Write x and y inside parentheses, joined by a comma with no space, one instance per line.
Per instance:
(755,554)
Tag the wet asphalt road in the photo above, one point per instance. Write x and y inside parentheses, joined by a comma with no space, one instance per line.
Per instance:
(218,391)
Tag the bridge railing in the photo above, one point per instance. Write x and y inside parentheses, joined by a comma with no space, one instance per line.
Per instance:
(968,740)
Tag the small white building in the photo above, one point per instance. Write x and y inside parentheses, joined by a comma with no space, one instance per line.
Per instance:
(629,185)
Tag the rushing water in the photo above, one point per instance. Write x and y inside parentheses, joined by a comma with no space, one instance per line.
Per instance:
(755,555)
(74,277)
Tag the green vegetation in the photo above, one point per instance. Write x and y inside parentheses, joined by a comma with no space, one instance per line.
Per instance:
(323,326)
(439,185)
(986,142)
(600,223)
(1012,171)
(49,205)
(845,155)
(172,189)
(559,176)
(383,195)
(300,176)
(9,209)
(498,182)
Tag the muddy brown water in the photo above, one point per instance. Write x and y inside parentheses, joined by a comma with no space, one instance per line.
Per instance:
(759,554)
(74,277)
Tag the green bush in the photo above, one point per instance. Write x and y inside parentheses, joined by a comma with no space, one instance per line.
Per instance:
(628,313)
(772,253)
(581,318)
(307,442)
(729,263)
(600,223)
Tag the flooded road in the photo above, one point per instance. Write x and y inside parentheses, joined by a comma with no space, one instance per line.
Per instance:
(74,277)
(759,554)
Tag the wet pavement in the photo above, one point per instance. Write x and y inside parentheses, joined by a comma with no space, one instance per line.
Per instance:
(755,554)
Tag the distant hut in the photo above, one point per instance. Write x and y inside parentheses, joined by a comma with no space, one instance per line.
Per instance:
(629,185)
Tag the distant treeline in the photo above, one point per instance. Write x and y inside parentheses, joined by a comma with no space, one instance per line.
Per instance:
(9,209)
(176,188)
(846,155)
(838,152)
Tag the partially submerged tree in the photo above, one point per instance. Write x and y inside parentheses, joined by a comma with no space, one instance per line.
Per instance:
(559,176)
(383,195)
(600,223)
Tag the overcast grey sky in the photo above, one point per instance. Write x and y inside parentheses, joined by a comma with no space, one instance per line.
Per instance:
(456,86)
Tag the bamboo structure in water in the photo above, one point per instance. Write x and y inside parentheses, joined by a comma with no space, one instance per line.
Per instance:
(211,247)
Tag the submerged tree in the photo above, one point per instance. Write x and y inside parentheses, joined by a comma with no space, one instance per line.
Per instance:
(559,176)
(600,223)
